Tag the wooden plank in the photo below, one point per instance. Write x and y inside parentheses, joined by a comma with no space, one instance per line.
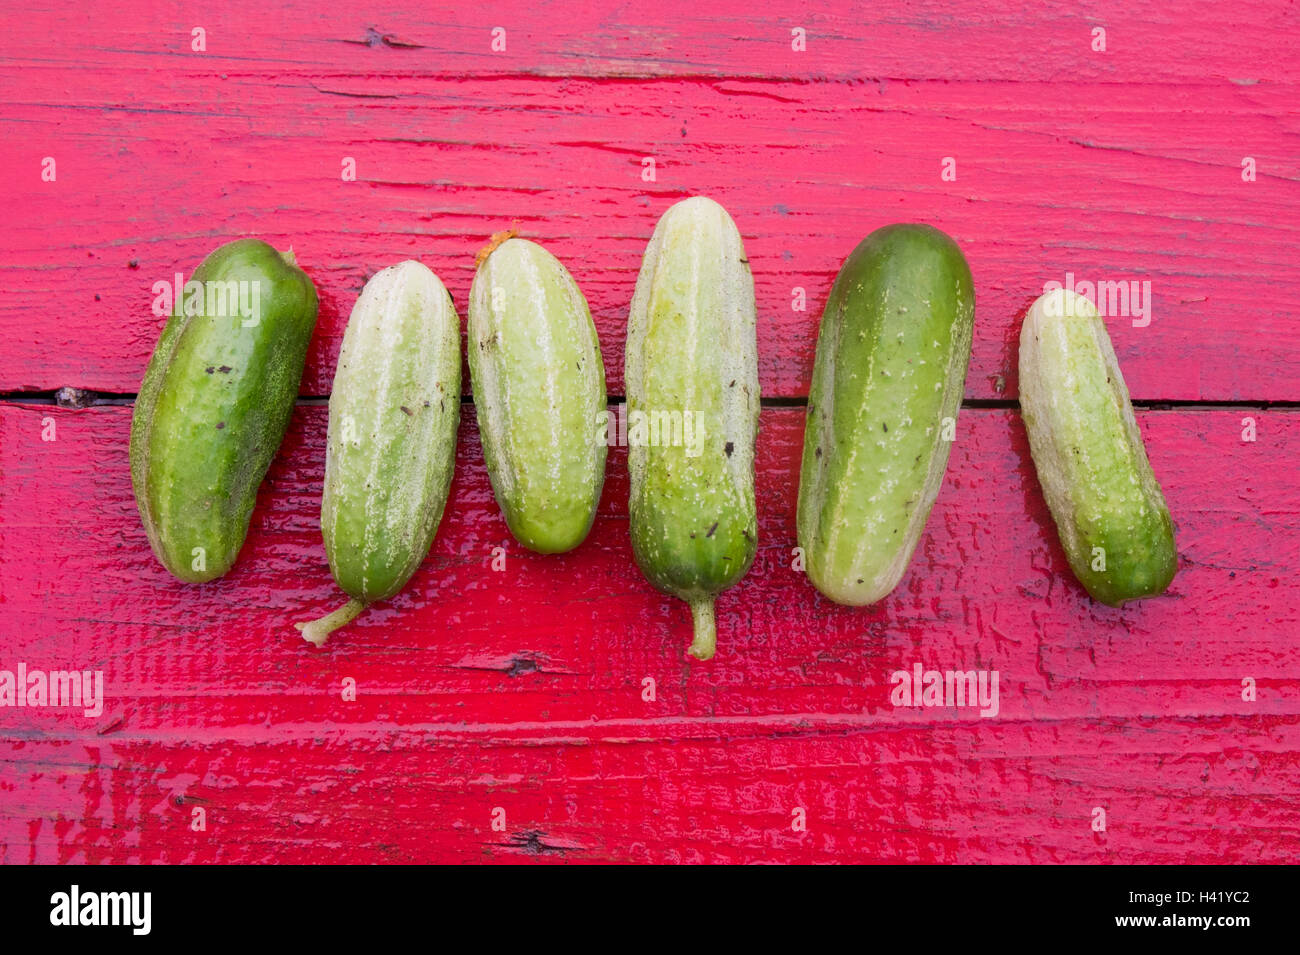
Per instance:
(1123,166)
(523,688)
(1176,790)
(1050,40)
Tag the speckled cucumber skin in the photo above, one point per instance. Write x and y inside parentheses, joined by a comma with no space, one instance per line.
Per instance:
(391,446)
(1089,454)
(213,408)
(692,346)
(539,387)
(891,363)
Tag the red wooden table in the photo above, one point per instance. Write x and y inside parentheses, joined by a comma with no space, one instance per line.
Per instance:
(519,696)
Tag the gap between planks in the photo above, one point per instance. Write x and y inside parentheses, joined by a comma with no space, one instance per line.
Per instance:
(88,399)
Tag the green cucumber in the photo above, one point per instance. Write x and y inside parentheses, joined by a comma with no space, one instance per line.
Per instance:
(215,403)
(539,389)
(891,363)
(1109,510)
(692,351)
(391,445)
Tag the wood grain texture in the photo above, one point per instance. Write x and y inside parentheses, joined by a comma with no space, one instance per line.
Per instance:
(523,688)
(1116,166)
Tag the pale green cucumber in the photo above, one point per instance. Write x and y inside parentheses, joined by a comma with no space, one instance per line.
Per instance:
(887,384)
(692,352)
(391,446)
(539,390)
(1109,510)
(215,403)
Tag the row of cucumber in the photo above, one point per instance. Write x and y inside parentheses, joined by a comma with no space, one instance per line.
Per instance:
(887,385)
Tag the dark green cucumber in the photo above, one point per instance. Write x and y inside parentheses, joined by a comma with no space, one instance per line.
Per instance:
(891,363)
(391,448)
(214,405)
(1109,510)
(692,350)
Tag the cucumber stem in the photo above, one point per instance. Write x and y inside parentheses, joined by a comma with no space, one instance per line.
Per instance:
(497,239)
(706,629)
(318,631)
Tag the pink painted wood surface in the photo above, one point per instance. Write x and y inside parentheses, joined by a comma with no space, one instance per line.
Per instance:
(522,689)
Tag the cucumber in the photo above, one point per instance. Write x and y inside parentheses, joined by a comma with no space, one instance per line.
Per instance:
(1109,510)
(539,390)
(692,350)
(214,405)
(391,444)
(891,363)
